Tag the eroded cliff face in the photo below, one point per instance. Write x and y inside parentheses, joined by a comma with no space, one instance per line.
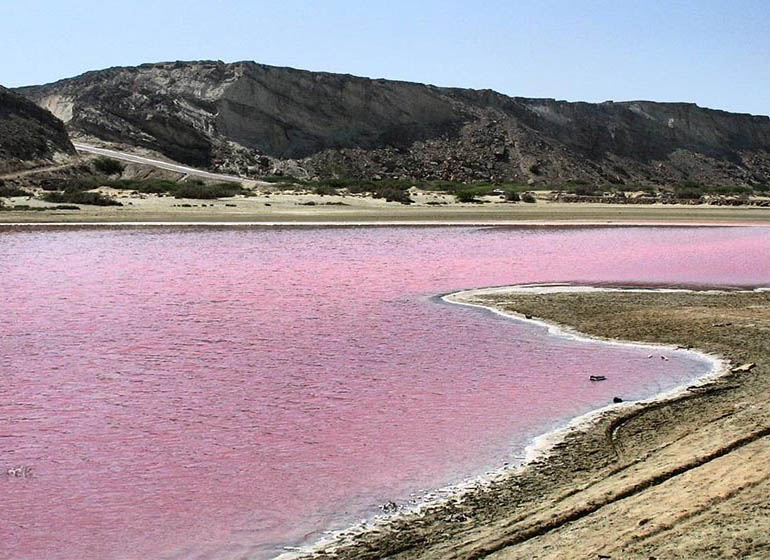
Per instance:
(29,135)
(250,118)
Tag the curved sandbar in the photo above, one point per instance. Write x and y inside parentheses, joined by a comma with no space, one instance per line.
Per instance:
(680,474)
(543,444)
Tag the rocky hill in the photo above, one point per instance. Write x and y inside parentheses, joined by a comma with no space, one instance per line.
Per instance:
(255,119)
(29,135)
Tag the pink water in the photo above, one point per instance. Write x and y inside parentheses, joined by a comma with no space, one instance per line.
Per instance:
(222,392)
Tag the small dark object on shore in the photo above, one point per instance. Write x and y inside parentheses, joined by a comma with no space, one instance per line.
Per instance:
(597,378)
(617,400)
(527,316)
(389,507)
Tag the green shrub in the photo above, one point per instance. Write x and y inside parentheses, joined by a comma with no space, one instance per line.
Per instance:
(722,189)
(335,183)
(81,197)
(688,194)
(365,186)
(280,179)
(585,190)
(194,188)
(325,190)
(393,194)
(203,192)
(10,190)
(450,187)
(289,186)
(466,196)
(154,186)
(692,190)
(512,196)
(108,166)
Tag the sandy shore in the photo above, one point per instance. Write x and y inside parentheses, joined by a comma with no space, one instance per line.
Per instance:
(429,207)
(685,475)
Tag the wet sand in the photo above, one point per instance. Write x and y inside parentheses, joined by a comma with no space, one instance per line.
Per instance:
(686,475)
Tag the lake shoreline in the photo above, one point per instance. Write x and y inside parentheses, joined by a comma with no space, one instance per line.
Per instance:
(297,209)
(478,519)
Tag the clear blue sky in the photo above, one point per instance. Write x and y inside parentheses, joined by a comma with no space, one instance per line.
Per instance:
(714,53)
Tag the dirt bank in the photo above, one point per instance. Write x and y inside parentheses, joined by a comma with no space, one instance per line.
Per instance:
(685,477)
(316,208)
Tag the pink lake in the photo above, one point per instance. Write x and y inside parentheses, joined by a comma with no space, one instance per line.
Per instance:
(223,392)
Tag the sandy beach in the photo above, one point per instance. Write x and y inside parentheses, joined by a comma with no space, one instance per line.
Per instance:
(282,207)
(684,475)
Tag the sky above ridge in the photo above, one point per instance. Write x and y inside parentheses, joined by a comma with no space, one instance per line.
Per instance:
(711,52)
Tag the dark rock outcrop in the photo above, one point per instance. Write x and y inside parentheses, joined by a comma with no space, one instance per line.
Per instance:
(29,135)
(251,118)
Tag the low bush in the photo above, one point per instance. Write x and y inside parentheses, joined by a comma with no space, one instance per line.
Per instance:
(81,197)
(723,189)
(108,166)
(688,193)
(585,190)
(335,183)
(280,179)
(155,186)
(393,194)
(10,190)
(466,196)
(188,189)
(438,186)
(692,190)
(202,191)
(528,198)
(325,190)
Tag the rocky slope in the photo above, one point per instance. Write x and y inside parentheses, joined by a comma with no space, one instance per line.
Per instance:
(256,119)
(29,135)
